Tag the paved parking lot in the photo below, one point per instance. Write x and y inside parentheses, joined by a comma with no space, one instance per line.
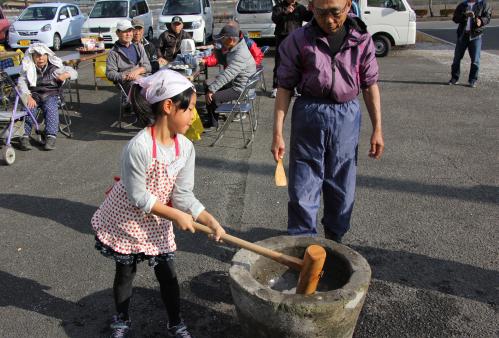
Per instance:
(425,217)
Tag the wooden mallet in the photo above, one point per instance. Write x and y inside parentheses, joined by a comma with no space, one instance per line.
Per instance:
(310,267)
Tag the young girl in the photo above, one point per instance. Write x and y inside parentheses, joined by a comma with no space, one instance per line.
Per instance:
(134,223)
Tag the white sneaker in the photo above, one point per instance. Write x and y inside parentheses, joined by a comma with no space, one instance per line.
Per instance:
(273,94)
(238,117)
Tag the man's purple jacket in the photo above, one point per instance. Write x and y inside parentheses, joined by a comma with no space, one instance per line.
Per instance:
(306,62)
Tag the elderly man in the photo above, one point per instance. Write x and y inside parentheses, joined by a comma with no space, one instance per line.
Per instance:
(42,75)
(169,40)
(229,84)
(138,38)
(126,61)
(331,59)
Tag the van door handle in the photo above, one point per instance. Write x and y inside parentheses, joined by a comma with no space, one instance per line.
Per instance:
(367,12)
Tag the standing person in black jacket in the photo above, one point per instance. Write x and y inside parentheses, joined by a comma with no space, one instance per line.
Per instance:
(287,15)
(472,16)
(169,40)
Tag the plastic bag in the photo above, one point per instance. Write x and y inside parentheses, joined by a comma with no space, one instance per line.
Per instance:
(196,129)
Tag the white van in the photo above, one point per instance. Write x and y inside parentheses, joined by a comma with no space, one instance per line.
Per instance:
(390,22)
(105,15)
(197,16)
(255,18)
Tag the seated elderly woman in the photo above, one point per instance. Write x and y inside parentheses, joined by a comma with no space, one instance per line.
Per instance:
(40,80)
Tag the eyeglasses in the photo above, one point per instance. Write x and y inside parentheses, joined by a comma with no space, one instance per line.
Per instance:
(334,12)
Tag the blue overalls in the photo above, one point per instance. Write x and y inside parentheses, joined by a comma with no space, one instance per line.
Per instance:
(323,157)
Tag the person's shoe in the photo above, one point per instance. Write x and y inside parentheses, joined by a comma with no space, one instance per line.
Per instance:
(332,236)
(178,331)
(238,117)
(452,82)
(120,328)
(273,93)
(472,84)
(24,143)
(49,143)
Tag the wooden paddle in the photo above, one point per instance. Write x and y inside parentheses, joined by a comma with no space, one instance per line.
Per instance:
(280,175)
(310,267)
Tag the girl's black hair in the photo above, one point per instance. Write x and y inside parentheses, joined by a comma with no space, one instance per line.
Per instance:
(148,113)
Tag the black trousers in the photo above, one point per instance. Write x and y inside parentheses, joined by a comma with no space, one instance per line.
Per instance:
(221,96)
(168,283)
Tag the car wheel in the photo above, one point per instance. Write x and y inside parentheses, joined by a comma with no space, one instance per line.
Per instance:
(56,45)
(382,45)
(150,34)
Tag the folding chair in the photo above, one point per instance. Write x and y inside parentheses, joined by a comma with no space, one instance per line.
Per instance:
(254,98)
(125,107)
(65,118)
(242,106)
(263,85)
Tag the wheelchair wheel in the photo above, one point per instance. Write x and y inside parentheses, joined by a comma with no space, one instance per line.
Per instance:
(8,155)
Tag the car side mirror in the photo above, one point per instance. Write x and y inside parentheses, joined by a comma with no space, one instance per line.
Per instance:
(207,9)
(133,13)
(62,17)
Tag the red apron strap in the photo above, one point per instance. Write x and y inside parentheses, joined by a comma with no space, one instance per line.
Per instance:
(177,147)
(153,142)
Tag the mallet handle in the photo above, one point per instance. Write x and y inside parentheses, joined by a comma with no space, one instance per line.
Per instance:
(292,262)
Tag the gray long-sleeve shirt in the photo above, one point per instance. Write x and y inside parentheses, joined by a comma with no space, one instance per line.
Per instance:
(137,157)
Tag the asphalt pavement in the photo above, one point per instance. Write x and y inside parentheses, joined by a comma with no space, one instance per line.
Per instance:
(425,216)
(446,30)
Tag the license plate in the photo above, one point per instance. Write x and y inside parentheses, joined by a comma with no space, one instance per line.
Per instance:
(254,35)
(24,43)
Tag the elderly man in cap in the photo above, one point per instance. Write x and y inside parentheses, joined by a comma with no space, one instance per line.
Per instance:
(169,40)
(126,61)
(138,38)
(229,84)
(331,60)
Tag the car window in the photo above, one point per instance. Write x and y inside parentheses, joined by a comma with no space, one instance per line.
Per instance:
(206,3)
(182,7)
(38,13)
(142,7)
(64,11)
(74,11)
(254,6)
(110,9)
(397,5)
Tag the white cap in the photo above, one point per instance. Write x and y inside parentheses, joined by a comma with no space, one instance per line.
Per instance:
(163,85)
(124,25)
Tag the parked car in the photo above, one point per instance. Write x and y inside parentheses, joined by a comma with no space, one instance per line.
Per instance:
(255,18)
(50,23)
(4,28)
(197,16)
(390,22)
(106,14)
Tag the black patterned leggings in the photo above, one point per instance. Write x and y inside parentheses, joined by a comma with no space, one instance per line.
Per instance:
(168,283)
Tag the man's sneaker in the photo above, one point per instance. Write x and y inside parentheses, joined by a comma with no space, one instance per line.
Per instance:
(238,117)
(332,236)
(472,84)
(178,331)
(120,327)
(49,143)
(273,93)
(24,143)
(452,82)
